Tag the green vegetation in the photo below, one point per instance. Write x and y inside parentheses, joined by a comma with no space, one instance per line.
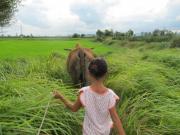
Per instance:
(7,9)
(145,75)
(28,48)
(149,84)
(155,36)
(25,92)
(175,42)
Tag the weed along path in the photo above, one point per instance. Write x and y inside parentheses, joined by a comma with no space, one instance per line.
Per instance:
(146,77)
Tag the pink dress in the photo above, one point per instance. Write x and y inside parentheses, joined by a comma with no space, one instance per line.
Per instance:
(97,120)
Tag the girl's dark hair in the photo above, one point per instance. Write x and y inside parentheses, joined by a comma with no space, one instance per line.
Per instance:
(98,67)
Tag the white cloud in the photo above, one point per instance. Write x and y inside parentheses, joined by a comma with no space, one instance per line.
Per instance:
(178,18)
(127,10)
(56,17)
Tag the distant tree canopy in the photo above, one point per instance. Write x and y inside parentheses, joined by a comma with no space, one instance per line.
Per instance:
(102,34)
(76,35)
(130,33)
(155,36)
(7,9)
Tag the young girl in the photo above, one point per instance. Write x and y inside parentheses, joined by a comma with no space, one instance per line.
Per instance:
(98,101)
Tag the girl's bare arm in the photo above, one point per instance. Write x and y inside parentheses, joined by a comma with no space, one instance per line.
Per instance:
(72,106)
(117,121)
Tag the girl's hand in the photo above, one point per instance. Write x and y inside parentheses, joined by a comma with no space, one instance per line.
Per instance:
(73,106)
(57,95)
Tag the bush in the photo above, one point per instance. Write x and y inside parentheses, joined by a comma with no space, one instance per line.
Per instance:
(175,43)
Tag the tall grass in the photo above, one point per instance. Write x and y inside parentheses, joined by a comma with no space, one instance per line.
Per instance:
(25,88)
(149,87)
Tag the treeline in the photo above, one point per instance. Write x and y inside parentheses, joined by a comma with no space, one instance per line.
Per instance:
(77,35)
(155,36)
(103,34)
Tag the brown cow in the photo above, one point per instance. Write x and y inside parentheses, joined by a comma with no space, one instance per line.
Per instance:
(77,64)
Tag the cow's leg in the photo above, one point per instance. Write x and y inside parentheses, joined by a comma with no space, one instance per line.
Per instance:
(75,79)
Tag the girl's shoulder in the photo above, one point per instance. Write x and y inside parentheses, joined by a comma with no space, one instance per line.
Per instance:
(113,94)
(83,89)
(113,98)
(110,92)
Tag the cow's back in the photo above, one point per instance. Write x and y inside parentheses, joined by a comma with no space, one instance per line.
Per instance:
(77,64)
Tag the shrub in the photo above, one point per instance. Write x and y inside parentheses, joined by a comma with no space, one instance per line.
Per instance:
(175,43)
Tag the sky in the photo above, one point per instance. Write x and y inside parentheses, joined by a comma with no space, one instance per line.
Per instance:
(65,17)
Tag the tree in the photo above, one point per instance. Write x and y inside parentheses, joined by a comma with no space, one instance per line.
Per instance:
(156,32)
(162,32)
(7,9)
(75,35)
(82,35)
(108,32)
(169,33)
(119,35)
(99,35)
(130,33)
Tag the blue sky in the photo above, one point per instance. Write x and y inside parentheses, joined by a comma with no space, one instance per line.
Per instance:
(58,17)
